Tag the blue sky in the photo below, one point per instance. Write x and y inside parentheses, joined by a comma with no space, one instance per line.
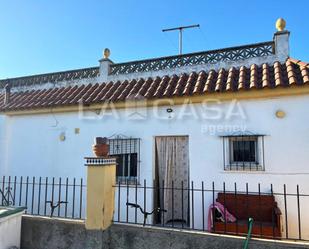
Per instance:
(56,35)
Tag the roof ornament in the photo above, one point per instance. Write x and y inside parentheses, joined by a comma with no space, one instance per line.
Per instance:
(280,24)
(106,53)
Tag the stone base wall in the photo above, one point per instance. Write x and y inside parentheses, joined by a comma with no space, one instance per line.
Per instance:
(46,233)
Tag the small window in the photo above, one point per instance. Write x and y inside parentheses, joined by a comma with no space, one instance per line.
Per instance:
(126,167)
(126,152)
(243,152)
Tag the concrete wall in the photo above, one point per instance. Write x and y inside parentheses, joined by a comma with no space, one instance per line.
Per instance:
(33,146)
(10,230)
(45,233)
(3,137)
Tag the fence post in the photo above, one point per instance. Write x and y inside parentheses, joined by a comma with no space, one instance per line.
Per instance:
(101,177)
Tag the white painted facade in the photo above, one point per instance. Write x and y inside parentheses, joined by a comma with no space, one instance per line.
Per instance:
(32,145)
(36,137)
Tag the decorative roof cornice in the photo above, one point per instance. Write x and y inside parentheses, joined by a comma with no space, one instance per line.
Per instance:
(199,58)
(164,64)
(84,73)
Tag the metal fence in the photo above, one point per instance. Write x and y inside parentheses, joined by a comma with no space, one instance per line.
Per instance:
(45,196)
(279,212)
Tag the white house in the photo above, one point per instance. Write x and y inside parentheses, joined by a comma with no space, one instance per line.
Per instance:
(229,115)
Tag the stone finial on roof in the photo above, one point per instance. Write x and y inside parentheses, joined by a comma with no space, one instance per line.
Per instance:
(106,53)
(105,62)
(280,24)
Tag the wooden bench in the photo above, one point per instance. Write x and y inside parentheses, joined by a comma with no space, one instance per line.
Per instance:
(262,208)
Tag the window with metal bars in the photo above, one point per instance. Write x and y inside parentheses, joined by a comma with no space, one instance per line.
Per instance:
(243,152)
(127,153)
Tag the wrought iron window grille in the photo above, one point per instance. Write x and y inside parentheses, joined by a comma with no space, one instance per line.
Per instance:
(126,150)
(243,152)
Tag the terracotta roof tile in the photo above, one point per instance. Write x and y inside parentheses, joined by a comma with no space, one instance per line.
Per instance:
(111,91)
(299,63)
(293,72)
(180,84)
(170,86)
(103,92)
(56,98)
(231,83)
(69,95)
(265,76)
(89,92)
(96,93)
(242,81)
(190,83)
(305,75)
(118,91)
(254,76)
(77,95)
(145,87)
(161,87)
(23,99)
(200,82)
(126,90)
(221,79)
(152,87)
(16,98)
(209,82)
(134,90)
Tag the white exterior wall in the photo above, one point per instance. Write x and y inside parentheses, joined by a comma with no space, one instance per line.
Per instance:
(2,138)
(10,231)
(33,147)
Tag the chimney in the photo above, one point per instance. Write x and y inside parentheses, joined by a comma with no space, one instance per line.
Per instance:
(7,93)
(105,63)
(281,39)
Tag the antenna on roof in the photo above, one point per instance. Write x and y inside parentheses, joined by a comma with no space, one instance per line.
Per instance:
(181,28)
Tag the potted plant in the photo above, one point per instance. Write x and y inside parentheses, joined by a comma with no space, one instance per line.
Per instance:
(100,147)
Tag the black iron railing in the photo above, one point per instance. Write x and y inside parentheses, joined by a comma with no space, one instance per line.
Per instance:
(278,212)
(212,56)
(45,196)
